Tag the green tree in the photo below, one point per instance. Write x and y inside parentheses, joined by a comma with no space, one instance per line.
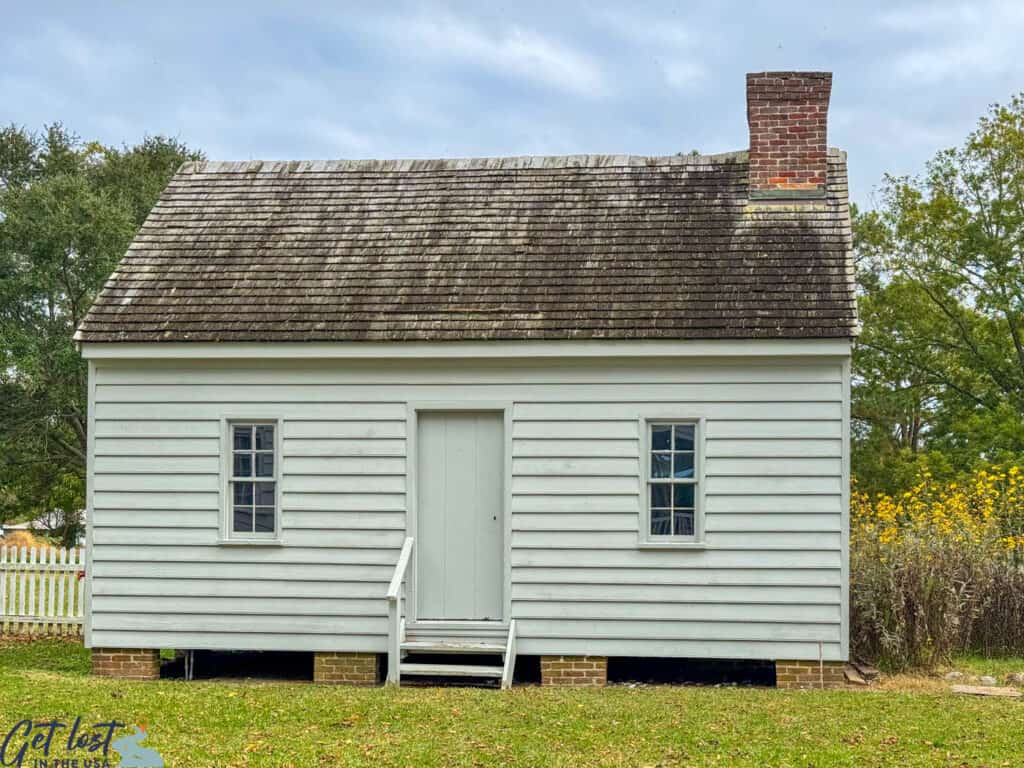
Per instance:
(939,370)
(68,210)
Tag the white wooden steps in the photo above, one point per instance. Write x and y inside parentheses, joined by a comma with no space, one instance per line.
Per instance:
(445,643)
(448,639)
(453,639)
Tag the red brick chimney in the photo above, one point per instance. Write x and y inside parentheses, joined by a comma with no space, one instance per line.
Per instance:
(788,114)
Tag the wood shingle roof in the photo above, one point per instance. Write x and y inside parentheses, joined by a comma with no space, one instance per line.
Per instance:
(580,247)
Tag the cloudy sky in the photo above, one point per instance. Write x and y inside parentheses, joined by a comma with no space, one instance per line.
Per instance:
(384,79)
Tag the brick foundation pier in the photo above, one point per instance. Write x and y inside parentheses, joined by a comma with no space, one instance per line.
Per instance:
(808,674)
(576,671)
(345,668)
(126,663)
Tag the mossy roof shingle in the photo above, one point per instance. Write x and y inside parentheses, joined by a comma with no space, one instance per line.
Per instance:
(581,247)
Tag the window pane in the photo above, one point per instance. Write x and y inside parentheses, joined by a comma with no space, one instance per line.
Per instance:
(264,465)
(683,521)
(242,494)
(661,522)
(243,465)
(661,464)
(242,520)
(660,495)
(264,519)
(684,437)
(682,496)
(265,494)
(243,437)
(661,438)
(264,437)
(682,465)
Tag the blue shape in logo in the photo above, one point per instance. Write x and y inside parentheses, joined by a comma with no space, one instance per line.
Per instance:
(133,754)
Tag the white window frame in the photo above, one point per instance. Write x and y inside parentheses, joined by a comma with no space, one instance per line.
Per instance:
(227,533)
(646,538)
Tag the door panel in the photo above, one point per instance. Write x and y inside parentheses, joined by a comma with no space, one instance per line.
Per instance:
(459,530)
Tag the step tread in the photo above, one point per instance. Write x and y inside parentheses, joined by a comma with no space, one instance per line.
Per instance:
(452,646)
(450,670)
(471,632)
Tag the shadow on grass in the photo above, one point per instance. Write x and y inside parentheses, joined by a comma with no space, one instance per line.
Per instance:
(63,655)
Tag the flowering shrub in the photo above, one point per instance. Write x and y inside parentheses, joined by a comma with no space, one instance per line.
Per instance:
(939,569)
(27,539)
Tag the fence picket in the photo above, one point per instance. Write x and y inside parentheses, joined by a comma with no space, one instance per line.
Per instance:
(3,586)
(62,608)
(52,581)
(40,590)
(30,581)
(41,579)
(22,597)
(73,583)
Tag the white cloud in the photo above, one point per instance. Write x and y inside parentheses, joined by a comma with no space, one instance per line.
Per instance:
(642,29)
(931,16)
(512,51)
(953,61)
(672,45)
(342,140)
(891,129)
(292,110)
(682,74)
(84,59)
(956,41)
(953,18)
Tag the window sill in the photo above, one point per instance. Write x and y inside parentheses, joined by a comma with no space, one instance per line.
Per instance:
(671,545)
(250,542)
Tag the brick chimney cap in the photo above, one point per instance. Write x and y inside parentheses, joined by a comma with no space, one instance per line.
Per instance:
(791,73)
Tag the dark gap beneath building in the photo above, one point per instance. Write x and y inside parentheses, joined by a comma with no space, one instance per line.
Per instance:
(256,665)
(626,669)
(298,666)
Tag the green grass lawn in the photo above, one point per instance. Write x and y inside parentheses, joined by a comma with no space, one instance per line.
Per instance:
(300,724)
(998,668)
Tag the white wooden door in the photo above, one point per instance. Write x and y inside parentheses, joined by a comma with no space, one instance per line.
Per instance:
(459,527)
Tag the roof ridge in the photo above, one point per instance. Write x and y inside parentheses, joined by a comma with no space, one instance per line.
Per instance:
(512,162)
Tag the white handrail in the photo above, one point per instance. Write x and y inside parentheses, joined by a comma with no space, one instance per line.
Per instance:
(396,621)
(395,588)
(509,667)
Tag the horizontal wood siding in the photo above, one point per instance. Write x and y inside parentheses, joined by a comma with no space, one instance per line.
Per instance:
(767,585)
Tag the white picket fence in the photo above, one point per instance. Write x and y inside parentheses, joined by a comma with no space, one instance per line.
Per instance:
(41,590)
